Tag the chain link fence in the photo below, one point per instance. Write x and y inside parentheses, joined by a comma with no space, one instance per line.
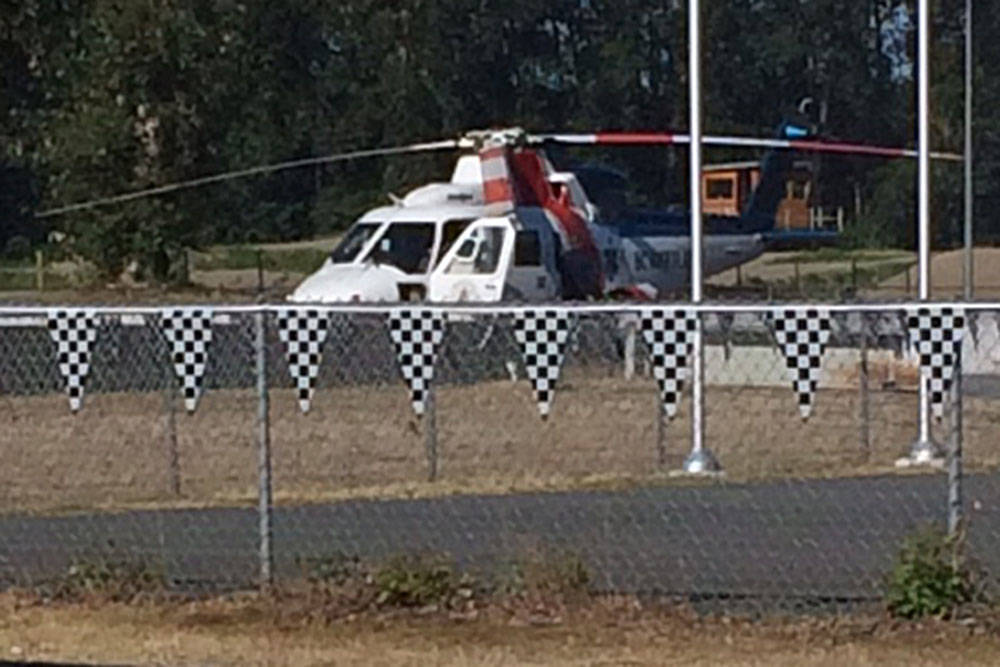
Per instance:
(205,447)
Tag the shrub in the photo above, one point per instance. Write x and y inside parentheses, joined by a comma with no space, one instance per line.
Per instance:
(929,577)
(420,581)
(116,579)
(337,570)
(546,571)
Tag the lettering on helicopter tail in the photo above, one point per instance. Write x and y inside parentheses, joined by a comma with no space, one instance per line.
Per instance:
(646,259)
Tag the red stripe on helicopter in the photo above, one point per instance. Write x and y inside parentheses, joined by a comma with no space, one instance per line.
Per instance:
(532,188)
(496,177)
(618,138)
(840,147)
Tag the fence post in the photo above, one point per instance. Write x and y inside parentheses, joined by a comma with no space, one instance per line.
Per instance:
(864,396)
(430,433)
(173,453)
(955,453)
(263,453)
(661,431)
(39,270)
(629,350)
(260,272)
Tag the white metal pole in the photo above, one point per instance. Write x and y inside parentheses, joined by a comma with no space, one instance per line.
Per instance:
(700,460)
(694,98)
(923,151)
(967,277)
(924,449)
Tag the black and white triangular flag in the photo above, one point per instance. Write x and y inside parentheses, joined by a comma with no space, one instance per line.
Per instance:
(416,334)
(668,335)
(73,331)
(188,332)
(303,332)
(542,335)
(802,335)
(936,335)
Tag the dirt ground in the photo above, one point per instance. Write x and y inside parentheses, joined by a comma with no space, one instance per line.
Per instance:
(776,266)
(946,277)
(609,632)
(365,442)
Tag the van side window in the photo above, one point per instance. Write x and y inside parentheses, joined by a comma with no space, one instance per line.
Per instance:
(527,250)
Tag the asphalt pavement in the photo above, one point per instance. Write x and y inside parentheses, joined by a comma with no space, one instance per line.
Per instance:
(798,543)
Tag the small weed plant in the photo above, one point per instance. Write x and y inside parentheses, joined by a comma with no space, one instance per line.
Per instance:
(930,577)
(110,578)
(550,571)
(420,581)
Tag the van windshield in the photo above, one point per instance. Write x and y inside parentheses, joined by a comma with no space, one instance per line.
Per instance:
(352,243)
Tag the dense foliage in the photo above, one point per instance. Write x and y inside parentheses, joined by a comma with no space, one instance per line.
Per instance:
(99,97)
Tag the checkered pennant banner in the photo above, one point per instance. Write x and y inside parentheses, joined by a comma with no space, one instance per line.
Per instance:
(416,334)
(802,335)
(303,332)
(188,332)
(936,334)
(542,336)
(668,335)
(73,331)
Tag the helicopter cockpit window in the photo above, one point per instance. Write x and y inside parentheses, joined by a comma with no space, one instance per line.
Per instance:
(352,243)
(407,246)
(450,232)
(478,254)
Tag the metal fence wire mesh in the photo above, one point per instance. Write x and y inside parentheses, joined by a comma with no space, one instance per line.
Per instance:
(234,443)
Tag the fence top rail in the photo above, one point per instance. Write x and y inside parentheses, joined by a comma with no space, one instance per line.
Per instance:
(505,309)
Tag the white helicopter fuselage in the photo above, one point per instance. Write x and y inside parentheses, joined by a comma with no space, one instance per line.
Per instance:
(391,251)
(439,243)
(388,255)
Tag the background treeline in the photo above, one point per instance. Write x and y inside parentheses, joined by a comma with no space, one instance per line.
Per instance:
(103,96)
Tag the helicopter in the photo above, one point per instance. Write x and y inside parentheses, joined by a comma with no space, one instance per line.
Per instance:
(508,226)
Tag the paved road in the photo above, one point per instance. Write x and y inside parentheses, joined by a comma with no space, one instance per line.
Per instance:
(816,541)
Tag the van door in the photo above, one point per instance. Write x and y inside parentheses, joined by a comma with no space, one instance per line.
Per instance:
(475,266)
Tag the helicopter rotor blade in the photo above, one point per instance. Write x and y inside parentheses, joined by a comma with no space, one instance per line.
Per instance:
(666,138)
(445,144)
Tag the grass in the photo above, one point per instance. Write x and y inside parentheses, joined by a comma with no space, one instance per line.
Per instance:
(602,434)
(251,629)
(291,259)
(295,259)
(20,279)
(836,254)
(830,281)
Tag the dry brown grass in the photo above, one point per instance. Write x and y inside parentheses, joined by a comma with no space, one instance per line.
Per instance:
(250,630)
(365,442)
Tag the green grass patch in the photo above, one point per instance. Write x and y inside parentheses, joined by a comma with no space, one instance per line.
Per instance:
(16,263)
(834,254)
(19,280)
(834,283)
(293,260)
